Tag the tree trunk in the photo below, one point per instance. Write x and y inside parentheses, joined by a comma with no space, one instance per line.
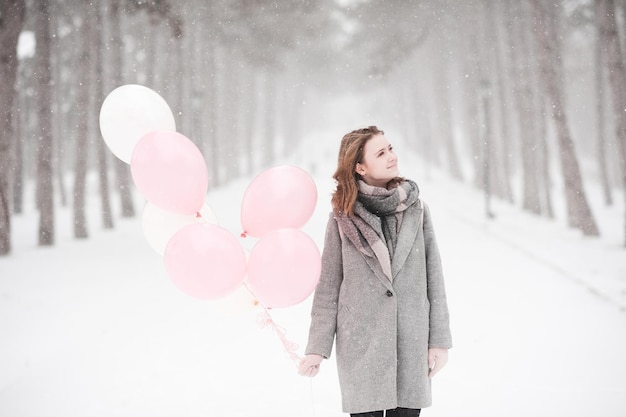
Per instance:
(579,212)
(211,113)
(122,169)
(623,41)
(59,122)
(12,15)
(83,78)
(487,90)
(103,174)
(43,88)
(185,98)
(268,142)
(18,173)
(290,120)
(601,114)
(503,158)
(196,103)
(471,100)
(541,108)
(445,123)
(250,104)
(231,109)
(525,106)
(617,80)
(23,101)
(487,142)
(543,162)
(148,44)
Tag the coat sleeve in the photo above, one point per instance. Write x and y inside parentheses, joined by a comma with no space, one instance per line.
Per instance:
(439,320)
(325,299)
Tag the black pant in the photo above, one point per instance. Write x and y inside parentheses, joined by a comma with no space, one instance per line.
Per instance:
(397,412)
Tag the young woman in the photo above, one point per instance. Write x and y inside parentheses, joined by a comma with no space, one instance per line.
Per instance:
(381,294)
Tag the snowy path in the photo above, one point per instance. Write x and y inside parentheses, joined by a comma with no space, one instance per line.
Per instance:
(95,328)
(529,337)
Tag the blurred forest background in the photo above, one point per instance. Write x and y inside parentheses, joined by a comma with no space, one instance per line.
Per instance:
(504,95)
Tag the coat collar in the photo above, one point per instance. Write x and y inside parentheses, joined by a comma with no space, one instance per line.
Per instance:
(411,223)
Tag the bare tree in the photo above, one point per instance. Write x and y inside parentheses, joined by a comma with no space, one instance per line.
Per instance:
(12,15)
(250,111)
(541,152)
(578,210)
(623,41)
(269,112)
(61,58)
(43,88)
(472,68)
(98,92)
(231,108)
(443,101)
(617,79)
(601,139)
(122,170)
(211,128)
(503,109)
(525,104)
(23,102)
(82,109)
(487,91)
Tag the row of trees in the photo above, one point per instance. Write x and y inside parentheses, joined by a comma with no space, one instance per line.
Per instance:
(514,88)
(216,63)
(482,88)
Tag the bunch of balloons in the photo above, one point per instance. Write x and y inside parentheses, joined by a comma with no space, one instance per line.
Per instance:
(201,258)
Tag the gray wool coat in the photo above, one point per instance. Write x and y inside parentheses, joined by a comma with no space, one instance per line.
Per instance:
(382,329)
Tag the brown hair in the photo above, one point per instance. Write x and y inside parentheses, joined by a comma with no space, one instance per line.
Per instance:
(351,153)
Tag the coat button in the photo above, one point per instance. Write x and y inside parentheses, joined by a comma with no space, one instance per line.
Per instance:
(389,293)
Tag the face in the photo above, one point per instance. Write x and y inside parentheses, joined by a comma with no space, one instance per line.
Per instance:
(379,164)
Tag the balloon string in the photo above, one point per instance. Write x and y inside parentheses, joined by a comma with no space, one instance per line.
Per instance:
(264,319)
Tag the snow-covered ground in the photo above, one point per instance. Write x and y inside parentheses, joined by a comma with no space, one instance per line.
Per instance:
(96,328)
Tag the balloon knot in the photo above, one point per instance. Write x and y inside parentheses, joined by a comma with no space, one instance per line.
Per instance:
(198,215)
(244,234)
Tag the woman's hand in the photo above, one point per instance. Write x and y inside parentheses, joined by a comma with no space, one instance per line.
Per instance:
(310,365)
(437,359)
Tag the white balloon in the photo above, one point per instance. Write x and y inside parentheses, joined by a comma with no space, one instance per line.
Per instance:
(129,112)
(160,225)
(241,302)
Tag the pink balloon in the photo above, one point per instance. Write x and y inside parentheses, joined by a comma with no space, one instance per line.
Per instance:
(170,171)
(280,197)
(284,268)
(205,261)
